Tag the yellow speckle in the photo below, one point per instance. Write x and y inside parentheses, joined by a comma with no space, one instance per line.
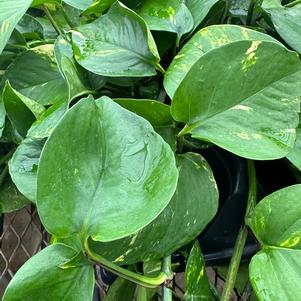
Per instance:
(4,26)
(291,242)
(244,136)
(243,108)
(119,259)
(257,136)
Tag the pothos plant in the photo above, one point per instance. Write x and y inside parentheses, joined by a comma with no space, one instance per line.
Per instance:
(104,105)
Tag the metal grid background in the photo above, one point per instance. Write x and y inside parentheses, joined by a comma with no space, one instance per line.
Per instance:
(23,236)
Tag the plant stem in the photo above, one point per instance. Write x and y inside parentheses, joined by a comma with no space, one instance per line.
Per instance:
(52,21)
(6,157)
(160,68)
(3,175)
(150,282)
(167,292)
(225,13)
(293,3)
(241,238)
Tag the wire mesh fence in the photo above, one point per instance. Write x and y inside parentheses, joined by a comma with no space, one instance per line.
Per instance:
(22,236)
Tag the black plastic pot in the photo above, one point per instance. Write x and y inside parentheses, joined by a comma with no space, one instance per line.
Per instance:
(231,174)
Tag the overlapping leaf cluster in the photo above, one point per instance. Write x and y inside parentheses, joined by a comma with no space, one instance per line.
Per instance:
(100,103)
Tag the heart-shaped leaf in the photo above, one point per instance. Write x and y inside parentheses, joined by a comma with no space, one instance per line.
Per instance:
(116,44)
(30,28)
(10,14)
(245,106)
(287,22)
(276,222)
(115,160)
(35,75)
(204,41)
(43,273)
(23,167)
(192,207)
(169,15)
(274,228)
(275,274)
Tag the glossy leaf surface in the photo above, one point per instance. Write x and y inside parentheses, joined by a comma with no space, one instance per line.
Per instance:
(116,44)
(169,15)
(192,207)
(287,22)
(115,160)
(196,281)
(275,271)
(46,123)
(23,167)
(80,4)
(10,14)
(21,110)
(74,75)
(295,155)
(157,113)
(35,75)
(43,273)
(275,274)
(269,223)
(199,10)
(203,41)
(247,107)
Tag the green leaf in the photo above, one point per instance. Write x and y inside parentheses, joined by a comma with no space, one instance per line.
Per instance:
(196,281)
(269,223)
(45,124)
(2,116)
(98,7)
(287,22)
(199,10)
(20,110)
(42,273)
(169,15)
(157,113)
(35,75)
(30,28)
(115,160)
(204,41)
(121,289)
(295,155)
(79,4)
(183,219)
(247,107)
(239,8)
(23,167)
(74,75)
(276,222)
(10,14)
(116,44)
(275,274)
(10,198)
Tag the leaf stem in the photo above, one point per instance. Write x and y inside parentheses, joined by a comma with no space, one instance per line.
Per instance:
(52,21)
(150,282)
(166,268)
(293,3)
(6,157)
(241,238)
(160,68)
(3,175)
